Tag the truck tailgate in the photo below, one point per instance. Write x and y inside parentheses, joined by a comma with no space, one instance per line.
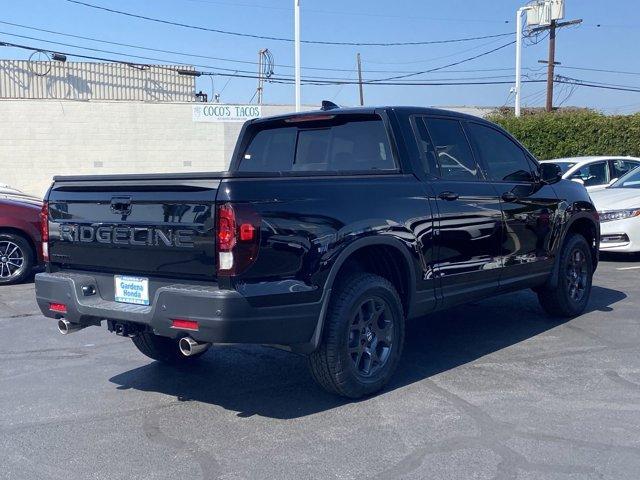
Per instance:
(159,226)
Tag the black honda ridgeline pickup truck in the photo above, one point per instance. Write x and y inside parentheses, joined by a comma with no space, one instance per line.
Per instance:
(330,230)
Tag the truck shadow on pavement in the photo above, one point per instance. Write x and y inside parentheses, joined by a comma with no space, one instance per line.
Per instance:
(255,380)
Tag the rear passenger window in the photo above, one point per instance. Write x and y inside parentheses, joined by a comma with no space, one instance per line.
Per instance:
(620,167)
(358,145)
(445,139)
(505,160)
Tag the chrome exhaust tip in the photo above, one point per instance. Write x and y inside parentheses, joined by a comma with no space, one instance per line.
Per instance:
(188,346)
(65,327)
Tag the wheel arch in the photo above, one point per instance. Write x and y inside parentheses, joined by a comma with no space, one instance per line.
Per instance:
(396,264)
(586,226)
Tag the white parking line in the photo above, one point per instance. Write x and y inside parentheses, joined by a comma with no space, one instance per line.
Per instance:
(628,268)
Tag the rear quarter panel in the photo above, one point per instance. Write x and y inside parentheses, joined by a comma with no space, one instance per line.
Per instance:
(308,222)
(575,204)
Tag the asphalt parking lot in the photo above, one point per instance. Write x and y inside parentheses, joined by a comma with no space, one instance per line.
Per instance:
(490,390)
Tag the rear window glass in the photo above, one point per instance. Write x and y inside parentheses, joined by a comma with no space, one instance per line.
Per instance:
(359,145)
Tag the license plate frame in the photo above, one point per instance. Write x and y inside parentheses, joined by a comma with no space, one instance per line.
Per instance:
(131,290)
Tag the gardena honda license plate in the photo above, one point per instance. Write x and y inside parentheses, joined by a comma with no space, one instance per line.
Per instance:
(132,290)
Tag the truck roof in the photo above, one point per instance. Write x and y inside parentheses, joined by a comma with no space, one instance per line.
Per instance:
(370,111)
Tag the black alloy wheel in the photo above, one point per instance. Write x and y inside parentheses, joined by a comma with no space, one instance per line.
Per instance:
(371,337)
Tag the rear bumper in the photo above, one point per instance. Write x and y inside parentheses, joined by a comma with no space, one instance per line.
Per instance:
(223,316)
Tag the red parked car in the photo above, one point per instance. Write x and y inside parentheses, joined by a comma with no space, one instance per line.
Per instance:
(20,238)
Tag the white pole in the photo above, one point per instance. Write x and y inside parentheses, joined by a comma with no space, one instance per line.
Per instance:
(518,58)
(296,6)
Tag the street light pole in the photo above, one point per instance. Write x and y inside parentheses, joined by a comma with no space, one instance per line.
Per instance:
(519,57)
(296,6)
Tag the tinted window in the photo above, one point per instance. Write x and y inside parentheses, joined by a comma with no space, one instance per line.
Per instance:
(620,167)
(360,145)
(504,159)
(270,151)
(592,174)
(451,148)
(630,180)
(425,146)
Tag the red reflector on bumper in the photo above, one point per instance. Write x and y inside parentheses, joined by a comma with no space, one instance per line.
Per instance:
(184,324)
(58,307)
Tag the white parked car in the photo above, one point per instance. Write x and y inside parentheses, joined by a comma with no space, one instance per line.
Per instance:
(595,172)
(619,209)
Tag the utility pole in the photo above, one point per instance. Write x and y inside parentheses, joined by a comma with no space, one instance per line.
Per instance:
(551,65)
(360,80)
(296,7)
(551,62)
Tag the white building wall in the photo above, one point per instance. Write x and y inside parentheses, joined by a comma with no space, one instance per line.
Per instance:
(43,138)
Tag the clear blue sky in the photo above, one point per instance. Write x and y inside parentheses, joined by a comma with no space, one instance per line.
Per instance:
(611,46)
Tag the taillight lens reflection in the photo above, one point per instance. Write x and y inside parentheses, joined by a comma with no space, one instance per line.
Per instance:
(238,228)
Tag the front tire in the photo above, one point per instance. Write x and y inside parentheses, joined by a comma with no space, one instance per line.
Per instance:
(17,258)
(571,294)
(362,339)
(162,349)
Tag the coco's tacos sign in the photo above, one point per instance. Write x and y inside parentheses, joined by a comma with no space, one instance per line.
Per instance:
(225,113)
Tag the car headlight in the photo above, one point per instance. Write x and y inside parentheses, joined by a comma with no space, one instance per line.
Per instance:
(618,214)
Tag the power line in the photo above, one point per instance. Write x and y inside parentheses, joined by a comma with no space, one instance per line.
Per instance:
(592,84)
(285,80)
(282,39)
(120,44)
(155,59)
(111,52)
(398,77)
(439,57)
(586,69)
(235,74)
(357,14)
(207,57)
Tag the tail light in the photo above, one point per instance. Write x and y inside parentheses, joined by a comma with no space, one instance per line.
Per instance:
(184,324)
(58,307)
(238,232)
(44,230)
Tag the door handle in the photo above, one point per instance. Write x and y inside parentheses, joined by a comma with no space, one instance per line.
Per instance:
(509,197)
(449,196)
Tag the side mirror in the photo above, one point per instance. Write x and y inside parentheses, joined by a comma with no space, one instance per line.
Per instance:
(550,173)
(613,180)
(578,180)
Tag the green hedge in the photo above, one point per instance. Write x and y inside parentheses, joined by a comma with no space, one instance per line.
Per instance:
(573,133)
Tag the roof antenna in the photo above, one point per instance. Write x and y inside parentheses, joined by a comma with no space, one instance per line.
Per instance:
(328,105)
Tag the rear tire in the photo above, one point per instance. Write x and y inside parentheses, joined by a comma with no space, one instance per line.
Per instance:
(570,296)
(17,258)
(162,349)
(362,339)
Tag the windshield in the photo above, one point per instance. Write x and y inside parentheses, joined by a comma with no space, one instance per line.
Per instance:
(564,166)
(630,180)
